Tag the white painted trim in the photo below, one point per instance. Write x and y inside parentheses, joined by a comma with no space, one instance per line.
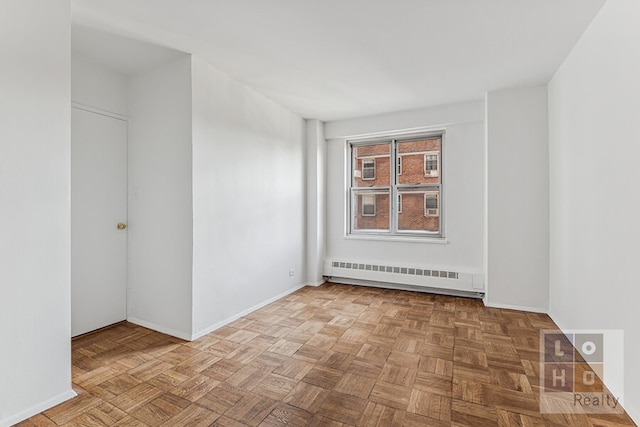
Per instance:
(34,410)
(516,307)
(159,328)
(209,329)
(405,287)
(422,238)
(100,111)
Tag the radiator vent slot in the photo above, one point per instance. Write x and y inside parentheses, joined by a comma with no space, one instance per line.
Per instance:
(397,270)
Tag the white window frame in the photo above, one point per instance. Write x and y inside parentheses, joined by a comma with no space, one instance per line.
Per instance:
(369,160)
(432,173)
(437,209)
(394,189)
(373,198)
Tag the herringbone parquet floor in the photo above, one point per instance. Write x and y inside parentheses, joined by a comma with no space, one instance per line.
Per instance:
(334,355)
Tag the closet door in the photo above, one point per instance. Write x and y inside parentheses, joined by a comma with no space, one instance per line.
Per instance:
(98,221)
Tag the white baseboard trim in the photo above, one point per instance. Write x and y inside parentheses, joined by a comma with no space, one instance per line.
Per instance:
(516,307)
(402,287)
(34,410)
(209,329)
(169,331)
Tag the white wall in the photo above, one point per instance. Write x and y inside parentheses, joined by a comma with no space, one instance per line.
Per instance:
(95,86)
(160,199)
(35,360)
(463,182)
(517,194)
(594,106)
(248,198)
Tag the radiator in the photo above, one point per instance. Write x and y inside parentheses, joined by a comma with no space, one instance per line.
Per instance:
(410,277)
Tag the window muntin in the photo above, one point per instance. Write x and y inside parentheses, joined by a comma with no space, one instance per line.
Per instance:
(417,197)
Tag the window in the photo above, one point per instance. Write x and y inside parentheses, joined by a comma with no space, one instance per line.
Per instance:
(431,204)
(401,200)
(368,205)
(369,169)
(431,164)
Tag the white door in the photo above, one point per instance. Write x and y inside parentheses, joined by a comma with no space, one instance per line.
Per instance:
(98,206)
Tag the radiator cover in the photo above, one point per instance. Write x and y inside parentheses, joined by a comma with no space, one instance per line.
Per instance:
(412,277)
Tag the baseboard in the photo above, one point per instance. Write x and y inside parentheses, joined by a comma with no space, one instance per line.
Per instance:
(402,287)
(169,331)
(35,410)
(316,284)
(516,307)
(209,329)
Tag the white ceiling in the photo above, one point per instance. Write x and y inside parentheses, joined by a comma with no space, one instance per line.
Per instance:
(335,59)
(121,54)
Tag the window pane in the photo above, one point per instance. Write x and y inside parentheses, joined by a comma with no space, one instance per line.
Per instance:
(420,161)
(371,210)
(371,165)
(420,210)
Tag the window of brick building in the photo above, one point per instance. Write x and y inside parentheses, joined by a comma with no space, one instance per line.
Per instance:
(431,164)
(431,205)
(369,169)
(368,205)
(396,186)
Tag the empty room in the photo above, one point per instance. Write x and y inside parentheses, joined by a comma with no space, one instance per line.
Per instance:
(337,213)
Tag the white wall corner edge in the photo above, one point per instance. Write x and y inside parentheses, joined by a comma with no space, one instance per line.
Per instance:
(35,410)
(209,329)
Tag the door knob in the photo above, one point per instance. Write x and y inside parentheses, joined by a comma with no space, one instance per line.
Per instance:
(121,226)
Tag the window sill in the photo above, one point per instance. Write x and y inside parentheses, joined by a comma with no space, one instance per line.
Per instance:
(404,239)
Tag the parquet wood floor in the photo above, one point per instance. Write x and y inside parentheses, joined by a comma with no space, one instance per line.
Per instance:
(334,355)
